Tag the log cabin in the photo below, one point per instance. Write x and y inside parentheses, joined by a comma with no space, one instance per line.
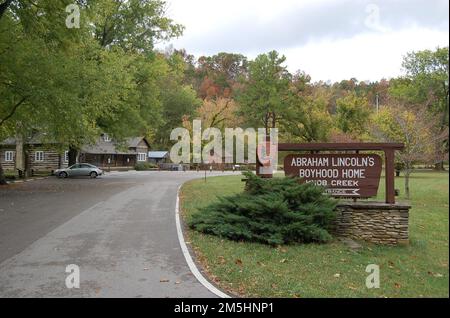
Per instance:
(38,156)
(108,154)
(44,157)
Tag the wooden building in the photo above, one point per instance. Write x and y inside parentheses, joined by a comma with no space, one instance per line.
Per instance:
(39,156)
(108,154)
(45,157)
(158,157)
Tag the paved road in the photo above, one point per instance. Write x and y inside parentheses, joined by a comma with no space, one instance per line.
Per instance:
(119,229)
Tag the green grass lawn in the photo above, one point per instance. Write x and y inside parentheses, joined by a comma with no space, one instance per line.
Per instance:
(331,270)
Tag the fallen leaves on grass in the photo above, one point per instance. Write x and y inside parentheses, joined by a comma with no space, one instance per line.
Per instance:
(261,264)
(437,275)
(221,260)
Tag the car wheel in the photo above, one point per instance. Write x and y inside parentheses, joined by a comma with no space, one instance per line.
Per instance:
(63,175)
(93,174)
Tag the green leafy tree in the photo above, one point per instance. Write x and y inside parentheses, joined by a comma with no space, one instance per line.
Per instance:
(426,83)
(308,120)
(40,72)
(74,83)
(264,96)
(133,25)
(178,98)
(307,117)
(352,114)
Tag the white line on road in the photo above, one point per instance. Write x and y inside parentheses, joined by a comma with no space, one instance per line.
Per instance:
(188,257)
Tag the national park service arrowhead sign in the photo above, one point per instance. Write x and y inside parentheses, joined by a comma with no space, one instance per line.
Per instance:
(343,175)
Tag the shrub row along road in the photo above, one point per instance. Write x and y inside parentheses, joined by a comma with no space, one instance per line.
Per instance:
(119,229)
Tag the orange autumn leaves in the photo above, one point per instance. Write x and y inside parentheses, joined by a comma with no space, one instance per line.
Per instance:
(219,113)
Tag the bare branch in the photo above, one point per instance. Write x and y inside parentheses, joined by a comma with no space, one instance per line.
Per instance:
(13,110)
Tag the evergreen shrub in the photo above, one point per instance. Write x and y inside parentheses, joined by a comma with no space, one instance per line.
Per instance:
(271,211)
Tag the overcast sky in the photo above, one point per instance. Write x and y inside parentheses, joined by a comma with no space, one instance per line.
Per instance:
(328,39)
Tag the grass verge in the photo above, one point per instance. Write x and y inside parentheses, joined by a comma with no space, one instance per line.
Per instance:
(330,270)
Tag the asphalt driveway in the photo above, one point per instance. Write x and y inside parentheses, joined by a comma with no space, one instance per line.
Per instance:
(119,229)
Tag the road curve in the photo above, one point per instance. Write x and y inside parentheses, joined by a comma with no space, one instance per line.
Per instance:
(120,230)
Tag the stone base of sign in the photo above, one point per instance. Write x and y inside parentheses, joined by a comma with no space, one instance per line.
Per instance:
(375,222)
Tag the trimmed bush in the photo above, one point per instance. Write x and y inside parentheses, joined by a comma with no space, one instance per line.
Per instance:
(142,166)
(271,211)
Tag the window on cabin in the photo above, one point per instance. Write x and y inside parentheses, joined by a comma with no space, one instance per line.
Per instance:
(106,138)
(66,156)
(39,156)
(9,156)
(142,156)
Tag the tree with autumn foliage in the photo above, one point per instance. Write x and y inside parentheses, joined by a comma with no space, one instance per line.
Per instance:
(412,126)
(219,113)
(219,75)
(425,82)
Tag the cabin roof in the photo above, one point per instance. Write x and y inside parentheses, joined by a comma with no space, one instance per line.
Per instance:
(157,154)
(128,147)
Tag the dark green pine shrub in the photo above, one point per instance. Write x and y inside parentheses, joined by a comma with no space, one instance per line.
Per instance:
(271,211)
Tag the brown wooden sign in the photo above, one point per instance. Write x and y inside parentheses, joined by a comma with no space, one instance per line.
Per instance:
(343,175)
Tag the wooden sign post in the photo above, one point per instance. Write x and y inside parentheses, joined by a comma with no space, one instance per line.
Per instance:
(344,175)
(345,171)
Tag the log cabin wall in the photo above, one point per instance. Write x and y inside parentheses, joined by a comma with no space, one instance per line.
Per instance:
(7,165)
(51,160)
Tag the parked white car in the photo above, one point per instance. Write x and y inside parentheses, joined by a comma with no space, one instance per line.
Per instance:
(79,169)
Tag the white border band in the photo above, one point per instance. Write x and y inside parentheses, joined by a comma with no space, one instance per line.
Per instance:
(188,257)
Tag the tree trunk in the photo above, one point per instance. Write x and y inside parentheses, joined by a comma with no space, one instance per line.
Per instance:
(27,162)
(407,174)
(266,123)
(2,176)
(439,166)
(72,156)
(20,156)
(444,122)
